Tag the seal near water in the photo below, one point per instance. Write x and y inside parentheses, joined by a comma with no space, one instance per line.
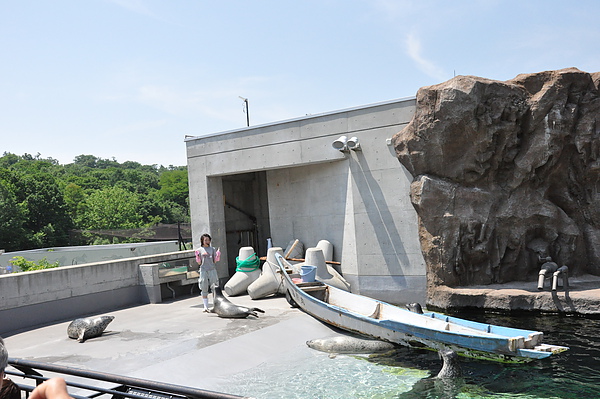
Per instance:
(448,383)
(89,327)
(226,309)
(349,344)
(451,367)
(415,307)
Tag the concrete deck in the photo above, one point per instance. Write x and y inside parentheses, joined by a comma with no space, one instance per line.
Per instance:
(582,297)
(175,342)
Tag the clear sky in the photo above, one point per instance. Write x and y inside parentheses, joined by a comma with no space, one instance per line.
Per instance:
(128,79)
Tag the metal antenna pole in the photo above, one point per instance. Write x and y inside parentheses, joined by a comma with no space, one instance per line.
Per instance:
(247,113)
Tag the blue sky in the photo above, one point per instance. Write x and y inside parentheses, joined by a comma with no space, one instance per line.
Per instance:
(128,79)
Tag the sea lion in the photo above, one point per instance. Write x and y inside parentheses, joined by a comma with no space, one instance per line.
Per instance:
(89,327)
(225,308)
(349,344)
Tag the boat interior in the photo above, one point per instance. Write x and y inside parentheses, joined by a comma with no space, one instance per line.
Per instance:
(316,289)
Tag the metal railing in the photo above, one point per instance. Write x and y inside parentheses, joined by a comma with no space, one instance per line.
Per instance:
(115,386)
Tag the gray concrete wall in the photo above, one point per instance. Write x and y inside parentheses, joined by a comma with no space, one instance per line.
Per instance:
(35,298)
(357,200)
(78,255)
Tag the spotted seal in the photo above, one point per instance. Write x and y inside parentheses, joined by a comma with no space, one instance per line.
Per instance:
(349,344)
(415,307)
(89,327)
(225,308)
(451,367)
(448,383)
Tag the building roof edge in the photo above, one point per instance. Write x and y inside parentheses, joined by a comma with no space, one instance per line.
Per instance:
(378,104)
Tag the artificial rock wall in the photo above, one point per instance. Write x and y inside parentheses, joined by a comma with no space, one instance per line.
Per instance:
(505,173)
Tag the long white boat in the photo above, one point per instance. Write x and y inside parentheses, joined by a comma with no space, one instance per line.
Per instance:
(380,320)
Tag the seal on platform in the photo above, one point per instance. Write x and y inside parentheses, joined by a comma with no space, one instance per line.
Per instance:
(225,308)
(349,344)
(89,327)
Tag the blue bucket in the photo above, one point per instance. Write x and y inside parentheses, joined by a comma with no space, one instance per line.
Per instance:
(308,273)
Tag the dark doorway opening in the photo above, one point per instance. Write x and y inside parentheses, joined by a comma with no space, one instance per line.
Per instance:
(245,198)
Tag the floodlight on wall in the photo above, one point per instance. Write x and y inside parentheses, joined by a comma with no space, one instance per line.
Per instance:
(353,144)
(340,144)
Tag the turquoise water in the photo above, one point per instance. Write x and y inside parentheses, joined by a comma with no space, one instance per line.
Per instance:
(407,373)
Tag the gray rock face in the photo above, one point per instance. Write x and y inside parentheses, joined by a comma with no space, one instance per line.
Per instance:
(506,173)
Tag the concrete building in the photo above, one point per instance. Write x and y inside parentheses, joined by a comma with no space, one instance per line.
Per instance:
(286,181)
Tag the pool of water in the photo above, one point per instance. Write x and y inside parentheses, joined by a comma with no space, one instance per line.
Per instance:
(407,373)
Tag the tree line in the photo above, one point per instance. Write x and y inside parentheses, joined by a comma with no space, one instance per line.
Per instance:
(42,202)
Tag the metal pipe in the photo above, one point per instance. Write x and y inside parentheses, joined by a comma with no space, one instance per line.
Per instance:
(247,111)
(564,270)
(172,290)
(541,278)
(548,267)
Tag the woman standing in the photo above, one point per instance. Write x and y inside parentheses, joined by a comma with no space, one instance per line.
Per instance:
(205,256)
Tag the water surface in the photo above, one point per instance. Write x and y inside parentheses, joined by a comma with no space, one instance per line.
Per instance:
(408,373)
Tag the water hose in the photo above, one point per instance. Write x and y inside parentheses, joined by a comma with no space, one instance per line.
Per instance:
(247,265)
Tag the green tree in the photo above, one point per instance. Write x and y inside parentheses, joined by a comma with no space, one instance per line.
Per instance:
(36,188)
(12,233)
(74,197)
(88,161)
(8,159)
(47,219)
(174,186)
(112,208)
(41,200)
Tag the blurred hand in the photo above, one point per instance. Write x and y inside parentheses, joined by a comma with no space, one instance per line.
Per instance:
(54,388)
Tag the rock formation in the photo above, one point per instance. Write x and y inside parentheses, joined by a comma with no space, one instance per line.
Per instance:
(506,173)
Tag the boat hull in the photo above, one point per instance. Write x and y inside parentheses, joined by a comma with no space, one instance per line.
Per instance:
(387,322)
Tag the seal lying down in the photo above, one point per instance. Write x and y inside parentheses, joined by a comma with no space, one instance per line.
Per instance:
(89,327)
(349,344)
(226,309)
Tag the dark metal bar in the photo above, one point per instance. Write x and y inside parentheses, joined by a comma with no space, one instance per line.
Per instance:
(240,210)
(99,390)
(159,388)
(28,389)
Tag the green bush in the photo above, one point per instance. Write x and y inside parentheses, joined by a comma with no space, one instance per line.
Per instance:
(28,265)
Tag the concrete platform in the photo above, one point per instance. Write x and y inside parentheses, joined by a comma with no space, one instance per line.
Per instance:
(175,342)
(582,297)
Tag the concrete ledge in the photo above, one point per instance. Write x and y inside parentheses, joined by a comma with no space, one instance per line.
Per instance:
(153,279)
(582,297)
(44,296)
(40,314)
